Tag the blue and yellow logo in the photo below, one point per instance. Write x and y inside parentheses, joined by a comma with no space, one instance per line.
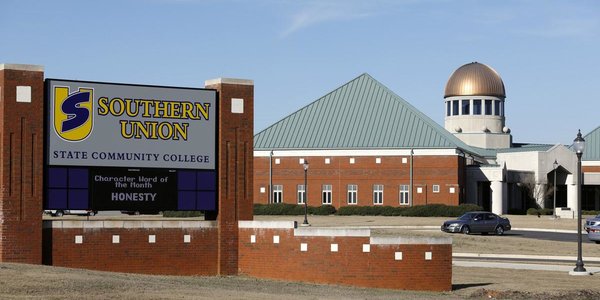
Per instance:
(73,113)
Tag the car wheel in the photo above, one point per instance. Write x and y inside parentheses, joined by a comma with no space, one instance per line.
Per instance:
(465,229)
(59,213)
(597,242)
(499,230)
(92,213)
(137,213)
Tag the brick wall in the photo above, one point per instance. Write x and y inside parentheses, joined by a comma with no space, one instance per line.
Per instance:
(274,250)
(178,247)
(446,171)
(277,250)
(590,169)
(21,163)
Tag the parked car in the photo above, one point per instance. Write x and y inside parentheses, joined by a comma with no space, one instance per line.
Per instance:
(61,212)
(478,221)
(592,226)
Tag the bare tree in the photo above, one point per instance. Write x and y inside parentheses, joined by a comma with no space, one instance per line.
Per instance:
(537,192)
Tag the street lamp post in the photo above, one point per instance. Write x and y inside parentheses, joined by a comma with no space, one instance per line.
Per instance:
(579,146)
(555,165)
(305,223)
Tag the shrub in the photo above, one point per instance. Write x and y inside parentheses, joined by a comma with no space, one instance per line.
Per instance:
(590,212)
(516,211)
(439,210)
(430,210)
(323,210)
(532,211)
(540,211)
(291,209)
(182,214)
(348,210)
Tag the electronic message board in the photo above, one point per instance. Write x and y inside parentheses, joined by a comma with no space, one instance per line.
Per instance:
(130,147)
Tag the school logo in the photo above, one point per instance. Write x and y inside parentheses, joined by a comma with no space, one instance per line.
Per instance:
(73,117)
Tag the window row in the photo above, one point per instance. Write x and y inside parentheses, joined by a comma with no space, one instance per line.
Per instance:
(474,107)
(351,160)
(351,193)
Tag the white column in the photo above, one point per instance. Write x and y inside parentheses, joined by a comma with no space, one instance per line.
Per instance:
(498,188)
(572,196)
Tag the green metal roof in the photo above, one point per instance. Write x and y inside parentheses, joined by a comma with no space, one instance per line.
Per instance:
(361,114)
(592,145)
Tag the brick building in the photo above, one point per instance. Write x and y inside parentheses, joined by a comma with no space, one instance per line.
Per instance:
(365,145)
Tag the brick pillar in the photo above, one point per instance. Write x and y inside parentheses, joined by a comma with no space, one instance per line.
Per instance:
(21,162)
(236,134)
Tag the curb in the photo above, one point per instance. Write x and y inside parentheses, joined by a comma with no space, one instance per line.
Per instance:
(550,230)
(522,256)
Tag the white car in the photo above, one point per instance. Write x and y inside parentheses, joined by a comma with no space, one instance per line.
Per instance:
(61,212)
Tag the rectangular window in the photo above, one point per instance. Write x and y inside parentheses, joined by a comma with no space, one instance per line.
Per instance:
(404,194)
(378,194)
(477,107)
(352,193)
(448,111)
(466,107)
(488,107)
(301,194)
(455,108)
(326,199)
(277,193)
(497,107)
(436,188)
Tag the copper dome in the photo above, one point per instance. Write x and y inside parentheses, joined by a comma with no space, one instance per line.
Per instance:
(475,79)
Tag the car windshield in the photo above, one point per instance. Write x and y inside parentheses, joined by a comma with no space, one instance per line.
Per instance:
(467,216)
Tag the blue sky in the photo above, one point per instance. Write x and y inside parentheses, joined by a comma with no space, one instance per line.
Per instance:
(547,52)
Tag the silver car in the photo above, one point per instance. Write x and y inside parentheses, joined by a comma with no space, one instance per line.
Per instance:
(592,226)
(478,221)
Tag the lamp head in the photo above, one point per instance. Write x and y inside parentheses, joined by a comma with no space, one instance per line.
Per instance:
(579,144)
(305,165)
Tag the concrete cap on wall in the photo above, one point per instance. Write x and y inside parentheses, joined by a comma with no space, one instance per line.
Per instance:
(129,224)
(21,67)
(412,240)
(267,224)
(228,81)
(316,231)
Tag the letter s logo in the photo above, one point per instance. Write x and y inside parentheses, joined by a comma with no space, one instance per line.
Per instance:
(73,118)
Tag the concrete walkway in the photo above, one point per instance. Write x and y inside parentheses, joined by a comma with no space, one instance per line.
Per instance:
(522,266)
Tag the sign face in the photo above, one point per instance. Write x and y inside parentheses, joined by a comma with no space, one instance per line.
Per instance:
(148,191)
(117,125)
